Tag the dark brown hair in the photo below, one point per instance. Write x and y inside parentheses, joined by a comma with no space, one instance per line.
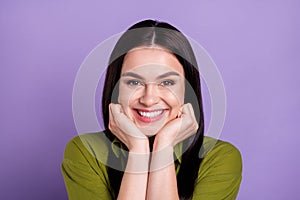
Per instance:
(148,33)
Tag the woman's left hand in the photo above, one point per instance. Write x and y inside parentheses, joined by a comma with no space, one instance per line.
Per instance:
(178,129)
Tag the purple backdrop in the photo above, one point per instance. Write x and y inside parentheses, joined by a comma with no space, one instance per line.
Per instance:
(255,45)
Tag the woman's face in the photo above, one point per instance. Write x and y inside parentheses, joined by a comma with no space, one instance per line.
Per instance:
(151,89)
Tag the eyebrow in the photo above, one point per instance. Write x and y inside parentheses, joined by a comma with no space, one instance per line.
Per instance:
(172,73)
(168,74)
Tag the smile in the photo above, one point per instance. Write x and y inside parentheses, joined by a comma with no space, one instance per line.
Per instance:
(151,114)
(148,116)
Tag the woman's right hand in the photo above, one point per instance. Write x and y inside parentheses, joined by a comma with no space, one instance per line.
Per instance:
(126,131)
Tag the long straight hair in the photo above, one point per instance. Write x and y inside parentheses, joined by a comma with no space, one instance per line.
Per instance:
(149,33)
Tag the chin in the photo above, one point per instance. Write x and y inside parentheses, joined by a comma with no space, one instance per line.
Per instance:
(149,130)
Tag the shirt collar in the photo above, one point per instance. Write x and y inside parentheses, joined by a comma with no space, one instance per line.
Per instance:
(118,148)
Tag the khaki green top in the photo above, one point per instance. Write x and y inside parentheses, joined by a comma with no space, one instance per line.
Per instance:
(86,156)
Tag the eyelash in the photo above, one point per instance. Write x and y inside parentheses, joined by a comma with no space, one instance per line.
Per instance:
(167,83)
(138,83)
(134,82)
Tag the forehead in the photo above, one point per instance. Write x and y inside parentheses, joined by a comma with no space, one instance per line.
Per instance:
(152,57)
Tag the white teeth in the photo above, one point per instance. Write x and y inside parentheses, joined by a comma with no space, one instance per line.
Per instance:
(150,114)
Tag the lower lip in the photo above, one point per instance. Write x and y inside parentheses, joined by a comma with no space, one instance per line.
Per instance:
(146,119)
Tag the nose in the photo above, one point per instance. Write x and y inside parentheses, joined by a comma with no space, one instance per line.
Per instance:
(150,95)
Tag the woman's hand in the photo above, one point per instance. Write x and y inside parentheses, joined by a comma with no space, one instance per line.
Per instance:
(134,181)
(126,131)
(178,129)
(162,183)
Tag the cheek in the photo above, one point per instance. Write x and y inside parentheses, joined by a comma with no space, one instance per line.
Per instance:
(174,96)
(126,99)
(124,94)
(123,98)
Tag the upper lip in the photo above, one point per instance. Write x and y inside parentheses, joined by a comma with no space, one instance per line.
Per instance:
(148,110)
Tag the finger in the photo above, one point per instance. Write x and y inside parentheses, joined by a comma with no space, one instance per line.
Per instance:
(111,116)
(121,109)
(191,111)
(184,108)
(115,110)
(112,119)
(118,115)
(179,114)
(124,123)
(189,108)
(189,117)
(184,111)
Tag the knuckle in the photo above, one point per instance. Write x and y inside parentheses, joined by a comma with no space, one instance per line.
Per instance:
(195,126)
(110,126)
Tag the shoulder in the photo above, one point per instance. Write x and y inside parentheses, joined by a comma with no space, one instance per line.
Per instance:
(220,172)
(87,146)
(221,155)
(83,168)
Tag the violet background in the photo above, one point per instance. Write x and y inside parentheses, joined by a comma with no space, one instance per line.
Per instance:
(255,45)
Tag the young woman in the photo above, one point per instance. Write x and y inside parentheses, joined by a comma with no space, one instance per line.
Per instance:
(153,146)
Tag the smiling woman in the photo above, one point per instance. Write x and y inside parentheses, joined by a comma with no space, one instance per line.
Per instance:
(151,88)
(153,115)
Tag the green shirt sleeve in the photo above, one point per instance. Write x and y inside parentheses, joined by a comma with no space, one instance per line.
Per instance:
(85,178)
(220,173)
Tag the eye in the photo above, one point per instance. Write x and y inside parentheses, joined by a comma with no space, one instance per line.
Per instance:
(167,83)
(134,83)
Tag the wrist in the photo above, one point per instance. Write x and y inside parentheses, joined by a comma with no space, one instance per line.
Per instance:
(161,143)
(141,147)
(137,163)
(162,156)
